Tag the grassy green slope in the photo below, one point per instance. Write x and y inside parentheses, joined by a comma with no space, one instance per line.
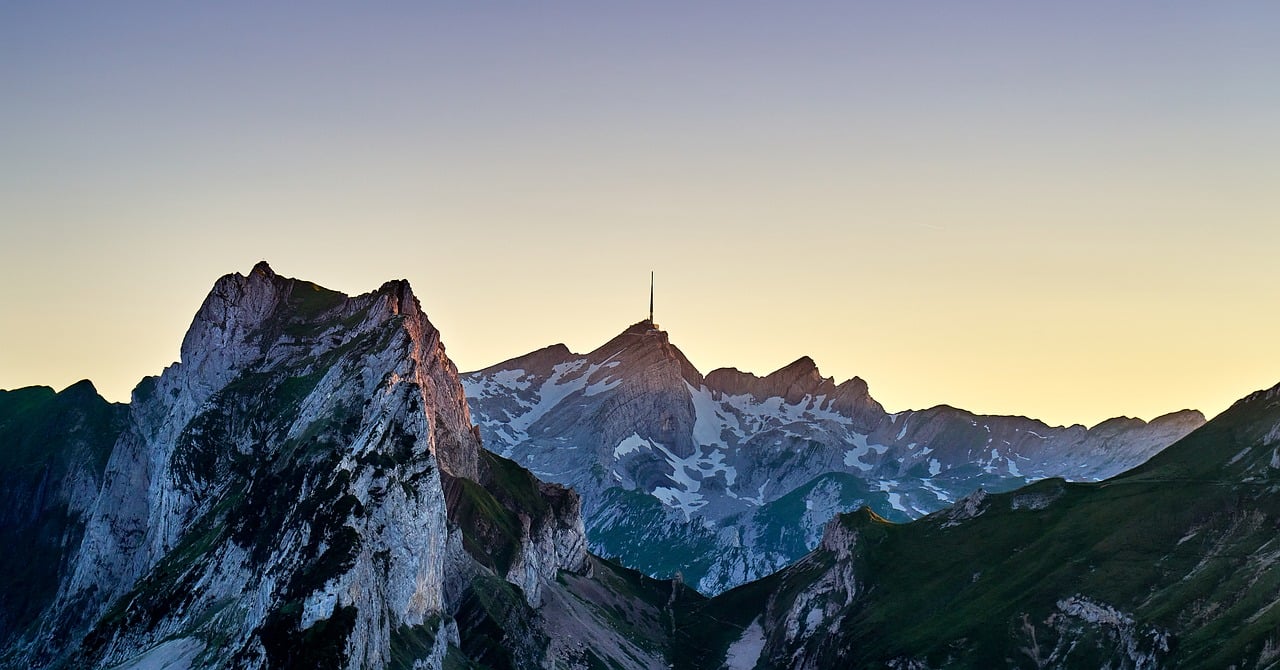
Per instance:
(1184,545)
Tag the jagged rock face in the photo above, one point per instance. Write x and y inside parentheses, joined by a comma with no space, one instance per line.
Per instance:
(728,478)
(1172,564)
(304,489)
(798,381)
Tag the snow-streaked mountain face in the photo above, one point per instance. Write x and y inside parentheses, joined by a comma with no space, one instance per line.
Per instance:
(1172,564)
(728,477)
(303,490)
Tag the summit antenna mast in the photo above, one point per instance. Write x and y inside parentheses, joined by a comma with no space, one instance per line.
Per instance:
(651,296)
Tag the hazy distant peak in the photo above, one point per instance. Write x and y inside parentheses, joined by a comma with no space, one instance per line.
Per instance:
(790,382)
(540,361)
(1181,416)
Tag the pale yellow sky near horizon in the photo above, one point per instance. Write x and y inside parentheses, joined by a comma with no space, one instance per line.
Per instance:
(1013,208)
(1050,361)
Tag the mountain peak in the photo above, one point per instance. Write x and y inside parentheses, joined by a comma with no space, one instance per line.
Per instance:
(798,379)
(803,364)
(541,361)
(403,300)
(640,335)
(644,344)
(84,386)
(1193,416)
(263,268)
(318,438)
(791,382)
(644,327)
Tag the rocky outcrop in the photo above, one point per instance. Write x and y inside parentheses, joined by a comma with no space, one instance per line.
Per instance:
(791,382)
(798,382)
(278,497)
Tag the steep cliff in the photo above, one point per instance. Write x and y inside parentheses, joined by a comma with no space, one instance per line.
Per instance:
(305,489)
(53,451)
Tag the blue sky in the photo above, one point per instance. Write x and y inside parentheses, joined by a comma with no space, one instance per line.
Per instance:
(1065,210)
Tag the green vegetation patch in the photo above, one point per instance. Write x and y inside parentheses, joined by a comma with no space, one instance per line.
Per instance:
(491,533)
(46,439)
(516,486)
(321,646)
(494,625)
(413,643)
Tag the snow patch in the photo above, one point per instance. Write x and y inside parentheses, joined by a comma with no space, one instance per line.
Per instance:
(503,382)
(565,380)
(745,652)
(937,492)
(630,445)
(684,501)
(895,501)
(511,379)
(686,497)
(853,457)
(709,421)
(606,384)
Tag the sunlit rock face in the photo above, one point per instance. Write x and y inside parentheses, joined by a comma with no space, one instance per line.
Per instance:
(304,489)
(728,477)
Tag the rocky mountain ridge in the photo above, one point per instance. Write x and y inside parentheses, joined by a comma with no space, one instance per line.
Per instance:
(304,489)
(728,477)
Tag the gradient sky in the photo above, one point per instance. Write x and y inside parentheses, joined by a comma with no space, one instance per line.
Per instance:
(1064,210)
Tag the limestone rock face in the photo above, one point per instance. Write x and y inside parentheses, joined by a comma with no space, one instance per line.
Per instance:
(798,381)
(730,477)
(281,497)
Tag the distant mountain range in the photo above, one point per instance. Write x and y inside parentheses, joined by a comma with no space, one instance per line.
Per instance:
(728,477)
(1174,564)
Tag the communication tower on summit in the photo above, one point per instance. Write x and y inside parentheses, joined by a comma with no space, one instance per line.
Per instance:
(652,325)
